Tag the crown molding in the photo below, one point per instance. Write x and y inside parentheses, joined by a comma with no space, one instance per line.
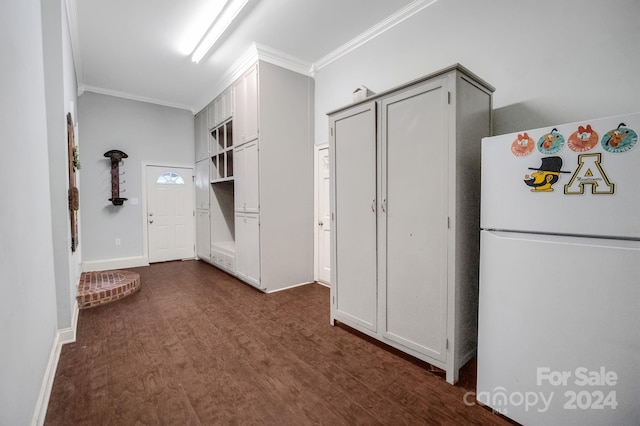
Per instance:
(284,60)
(373,32)
(129,96)
(72,22)
(258,52)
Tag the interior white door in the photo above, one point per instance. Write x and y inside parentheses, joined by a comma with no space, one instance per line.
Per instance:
(415,159)
(324,217)
(170,213)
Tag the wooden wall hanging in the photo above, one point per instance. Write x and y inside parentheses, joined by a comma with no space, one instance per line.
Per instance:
(116,157)
(74,195)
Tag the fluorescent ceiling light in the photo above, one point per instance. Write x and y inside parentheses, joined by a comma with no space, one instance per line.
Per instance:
(219,26)
(199,23)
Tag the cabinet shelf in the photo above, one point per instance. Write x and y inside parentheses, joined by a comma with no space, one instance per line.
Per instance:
(222,153)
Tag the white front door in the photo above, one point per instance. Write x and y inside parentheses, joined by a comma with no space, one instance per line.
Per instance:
(324,217)
(170,210)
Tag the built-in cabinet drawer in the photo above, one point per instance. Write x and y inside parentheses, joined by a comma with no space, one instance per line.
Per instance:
(223,260)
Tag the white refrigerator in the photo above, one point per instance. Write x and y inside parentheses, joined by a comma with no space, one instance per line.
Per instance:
(559,295)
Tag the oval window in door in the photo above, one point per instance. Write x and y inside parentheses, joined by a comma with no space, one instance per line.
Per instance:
(170,178)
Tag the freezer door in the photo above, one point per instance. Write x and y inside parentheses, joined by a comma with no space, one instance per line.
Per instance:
(548,180)
(558,339)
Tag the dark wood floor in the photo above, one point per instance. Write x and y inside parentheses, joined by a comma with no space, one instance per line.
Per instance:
(197,347)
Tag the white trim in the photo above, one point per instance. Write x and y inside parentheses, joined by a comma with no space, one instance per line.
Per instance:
(284,288)
(108,264)
(63,336)
(253,54)
(42,403)
(68,335)
(72,20)
(284,60)
(373,32)
(124,95)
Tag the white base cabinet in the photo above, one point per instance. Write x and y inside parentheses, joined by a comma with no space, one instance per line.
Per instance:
(405,208)
(248,248)
(203,236)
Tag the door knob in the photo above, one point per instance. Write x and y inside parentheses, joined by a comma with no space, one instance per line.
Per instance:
(151,221)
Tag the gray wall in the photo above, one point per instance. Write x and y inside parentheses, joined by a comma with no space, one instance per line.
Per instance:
(146,133)
(60,90)
(28,303)
(551,61)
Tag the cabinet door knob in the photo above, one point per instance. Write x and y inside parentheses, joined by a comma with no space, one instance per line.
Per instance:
(373,205)
(320,223)
(151,221)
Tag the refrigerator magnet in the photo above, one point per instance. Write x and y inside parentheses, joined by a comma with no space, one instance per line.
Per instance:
(583,139)
(544,177)
(620,139)
(551,143)
(522,146)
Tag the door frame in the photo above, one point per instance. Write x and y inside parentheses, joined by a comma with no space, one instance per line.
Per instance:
(316,204)
(143,179)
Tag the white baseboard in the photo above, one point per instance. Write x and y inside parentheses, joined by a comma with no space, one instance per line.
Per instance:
(108,264)
(65,335)
(287,288)
(68,335)
(322,283)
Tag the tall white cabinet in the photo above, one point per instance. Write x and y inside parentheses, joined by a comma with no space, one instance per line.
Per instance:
(261,206)
(405,209)
(274,177)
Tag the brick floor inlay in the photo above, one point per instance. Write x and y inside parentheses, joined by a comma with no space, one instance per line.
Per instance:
(100,287)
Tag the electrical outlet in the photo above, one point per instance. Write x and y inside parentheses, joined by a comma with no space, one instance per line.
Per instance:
(118,241)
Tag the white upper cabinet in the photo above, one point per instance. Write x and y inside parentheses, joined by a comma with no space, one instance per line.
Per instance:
(245,95)
(201,135)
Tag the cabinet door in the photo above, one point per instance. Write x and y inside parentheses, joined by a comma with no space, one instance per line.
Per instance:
(201,135)
(239,116)
(248,248)
(203,236)
(211,115)
(251,104)
(247,180)
(415,203)
(228,104)
(252,178)
(202,184)
(245,96)
(353,148)
(218,104)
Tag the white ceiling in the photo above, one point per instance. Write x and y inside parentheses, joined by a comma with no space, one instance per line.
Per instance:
(132,48)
